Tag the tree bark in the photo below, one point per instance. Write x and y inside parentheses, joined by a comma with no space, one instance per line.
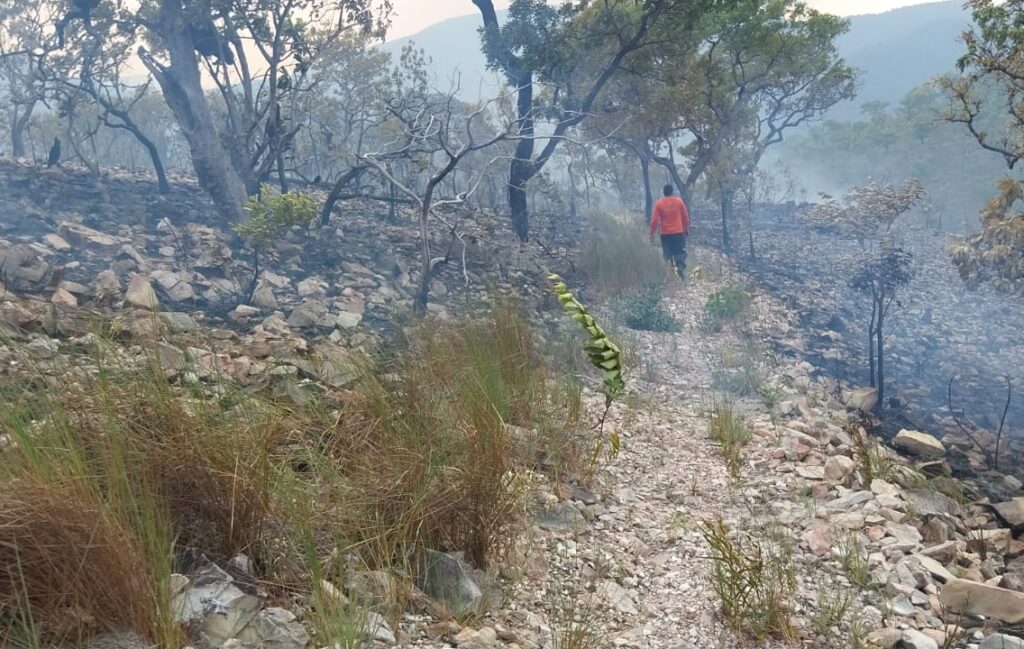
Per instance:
(645,172)
(18,127)
(881,358)
(726,219)
(182,88)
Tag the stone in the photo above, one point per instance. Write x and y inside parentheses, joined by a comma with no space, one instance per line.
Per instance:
(912,639)
(87,237)
(174,284)
(118,640)
(213,603)
(850,500)
(907,536)
(1000,641)
(275,628)
(560,517)
(348,319)
(934,568)
(863,399)
(997,540)
(973,598)
(377,627)
(928,502)
(1011,511)
(901,605)
(838,468)
(311,313)
(140,293)
(64,299)
(819,539)
(885,638)
(880,487)
(808,472)
(107,285)
(617,597)
(264,298)
(935,531)
(448,580)
(178,321)
(57,242)
(920,444)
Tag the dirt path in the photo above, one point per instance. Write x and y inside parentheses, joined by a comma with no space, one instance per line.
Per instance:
(643,553)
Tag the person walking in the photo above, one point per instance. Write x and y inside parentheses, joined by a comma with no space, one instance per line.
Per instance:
(671,218)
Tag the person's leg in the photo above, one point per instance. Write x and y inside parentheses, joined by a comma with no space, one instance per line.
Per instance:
(666,247)
(681,256)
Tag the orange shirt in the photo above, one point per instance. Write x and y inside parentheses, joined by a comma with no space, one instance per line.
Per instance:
(670,216)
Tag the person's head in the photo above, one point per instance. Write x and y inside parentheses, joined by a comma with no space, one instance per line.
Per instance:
(669,190)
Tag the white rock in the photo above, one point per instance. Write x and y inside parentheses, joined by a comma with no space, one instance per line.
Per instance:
(917,443)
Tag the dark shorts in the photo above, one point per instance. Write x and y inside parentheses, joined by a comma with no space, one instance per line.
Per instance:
(673,245)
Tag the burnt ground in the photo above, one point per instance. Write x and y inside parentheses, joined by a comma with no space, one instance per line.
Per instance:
(939,330)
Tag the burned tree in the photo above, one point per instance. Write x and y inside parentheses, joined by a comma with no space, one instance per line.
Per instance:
(867,215)
(881,279)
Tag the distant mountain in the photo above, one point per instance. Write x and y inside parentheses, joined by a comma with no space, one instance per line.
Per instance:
(897,51)
(901,49)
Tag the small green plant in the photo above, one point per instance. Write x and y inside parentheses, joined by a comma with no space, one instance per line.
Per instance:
(872,459)
(725,305)
(832,606)
(770,401)
(644,311)
(858,633)
(853,560)
(604,354)
(268,217)
(727,428)
(754,580)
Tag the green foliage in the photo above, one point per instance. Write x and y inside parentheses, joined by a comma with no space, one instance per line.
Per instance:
(644,311)
(724,305)
(602,352)
(269,215)
(993,256)
(754,580)
(727,428)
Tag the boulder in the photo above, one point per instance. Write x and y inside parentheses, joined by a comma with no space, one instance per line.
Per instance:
(64,299)
(911,639)
(863,399)
(1000,641)
(275,628)
(838,468)
(1011,511)
(974,598)
(448,580)
(140,293)
(920,444)
(86,237)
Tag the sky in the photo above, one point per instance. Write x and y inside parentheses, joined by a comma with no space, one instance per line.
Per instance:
(414,15)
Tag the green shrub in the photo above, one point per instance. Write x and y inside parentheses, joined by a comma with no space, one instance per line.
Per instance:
(725,305)
(618,257)
(644,311)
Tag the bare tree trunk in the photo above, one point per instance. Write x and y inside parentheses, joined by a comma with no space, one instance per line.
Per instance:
(182,89)
(726,218)
(645,171)
(871,343)
(881,357)
(18,127)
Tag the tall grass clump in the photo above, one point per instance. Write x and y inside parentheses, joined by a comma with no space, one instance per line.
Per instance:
(728,429)
(123,473)
(428,446)
(618,257)
(754,579)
